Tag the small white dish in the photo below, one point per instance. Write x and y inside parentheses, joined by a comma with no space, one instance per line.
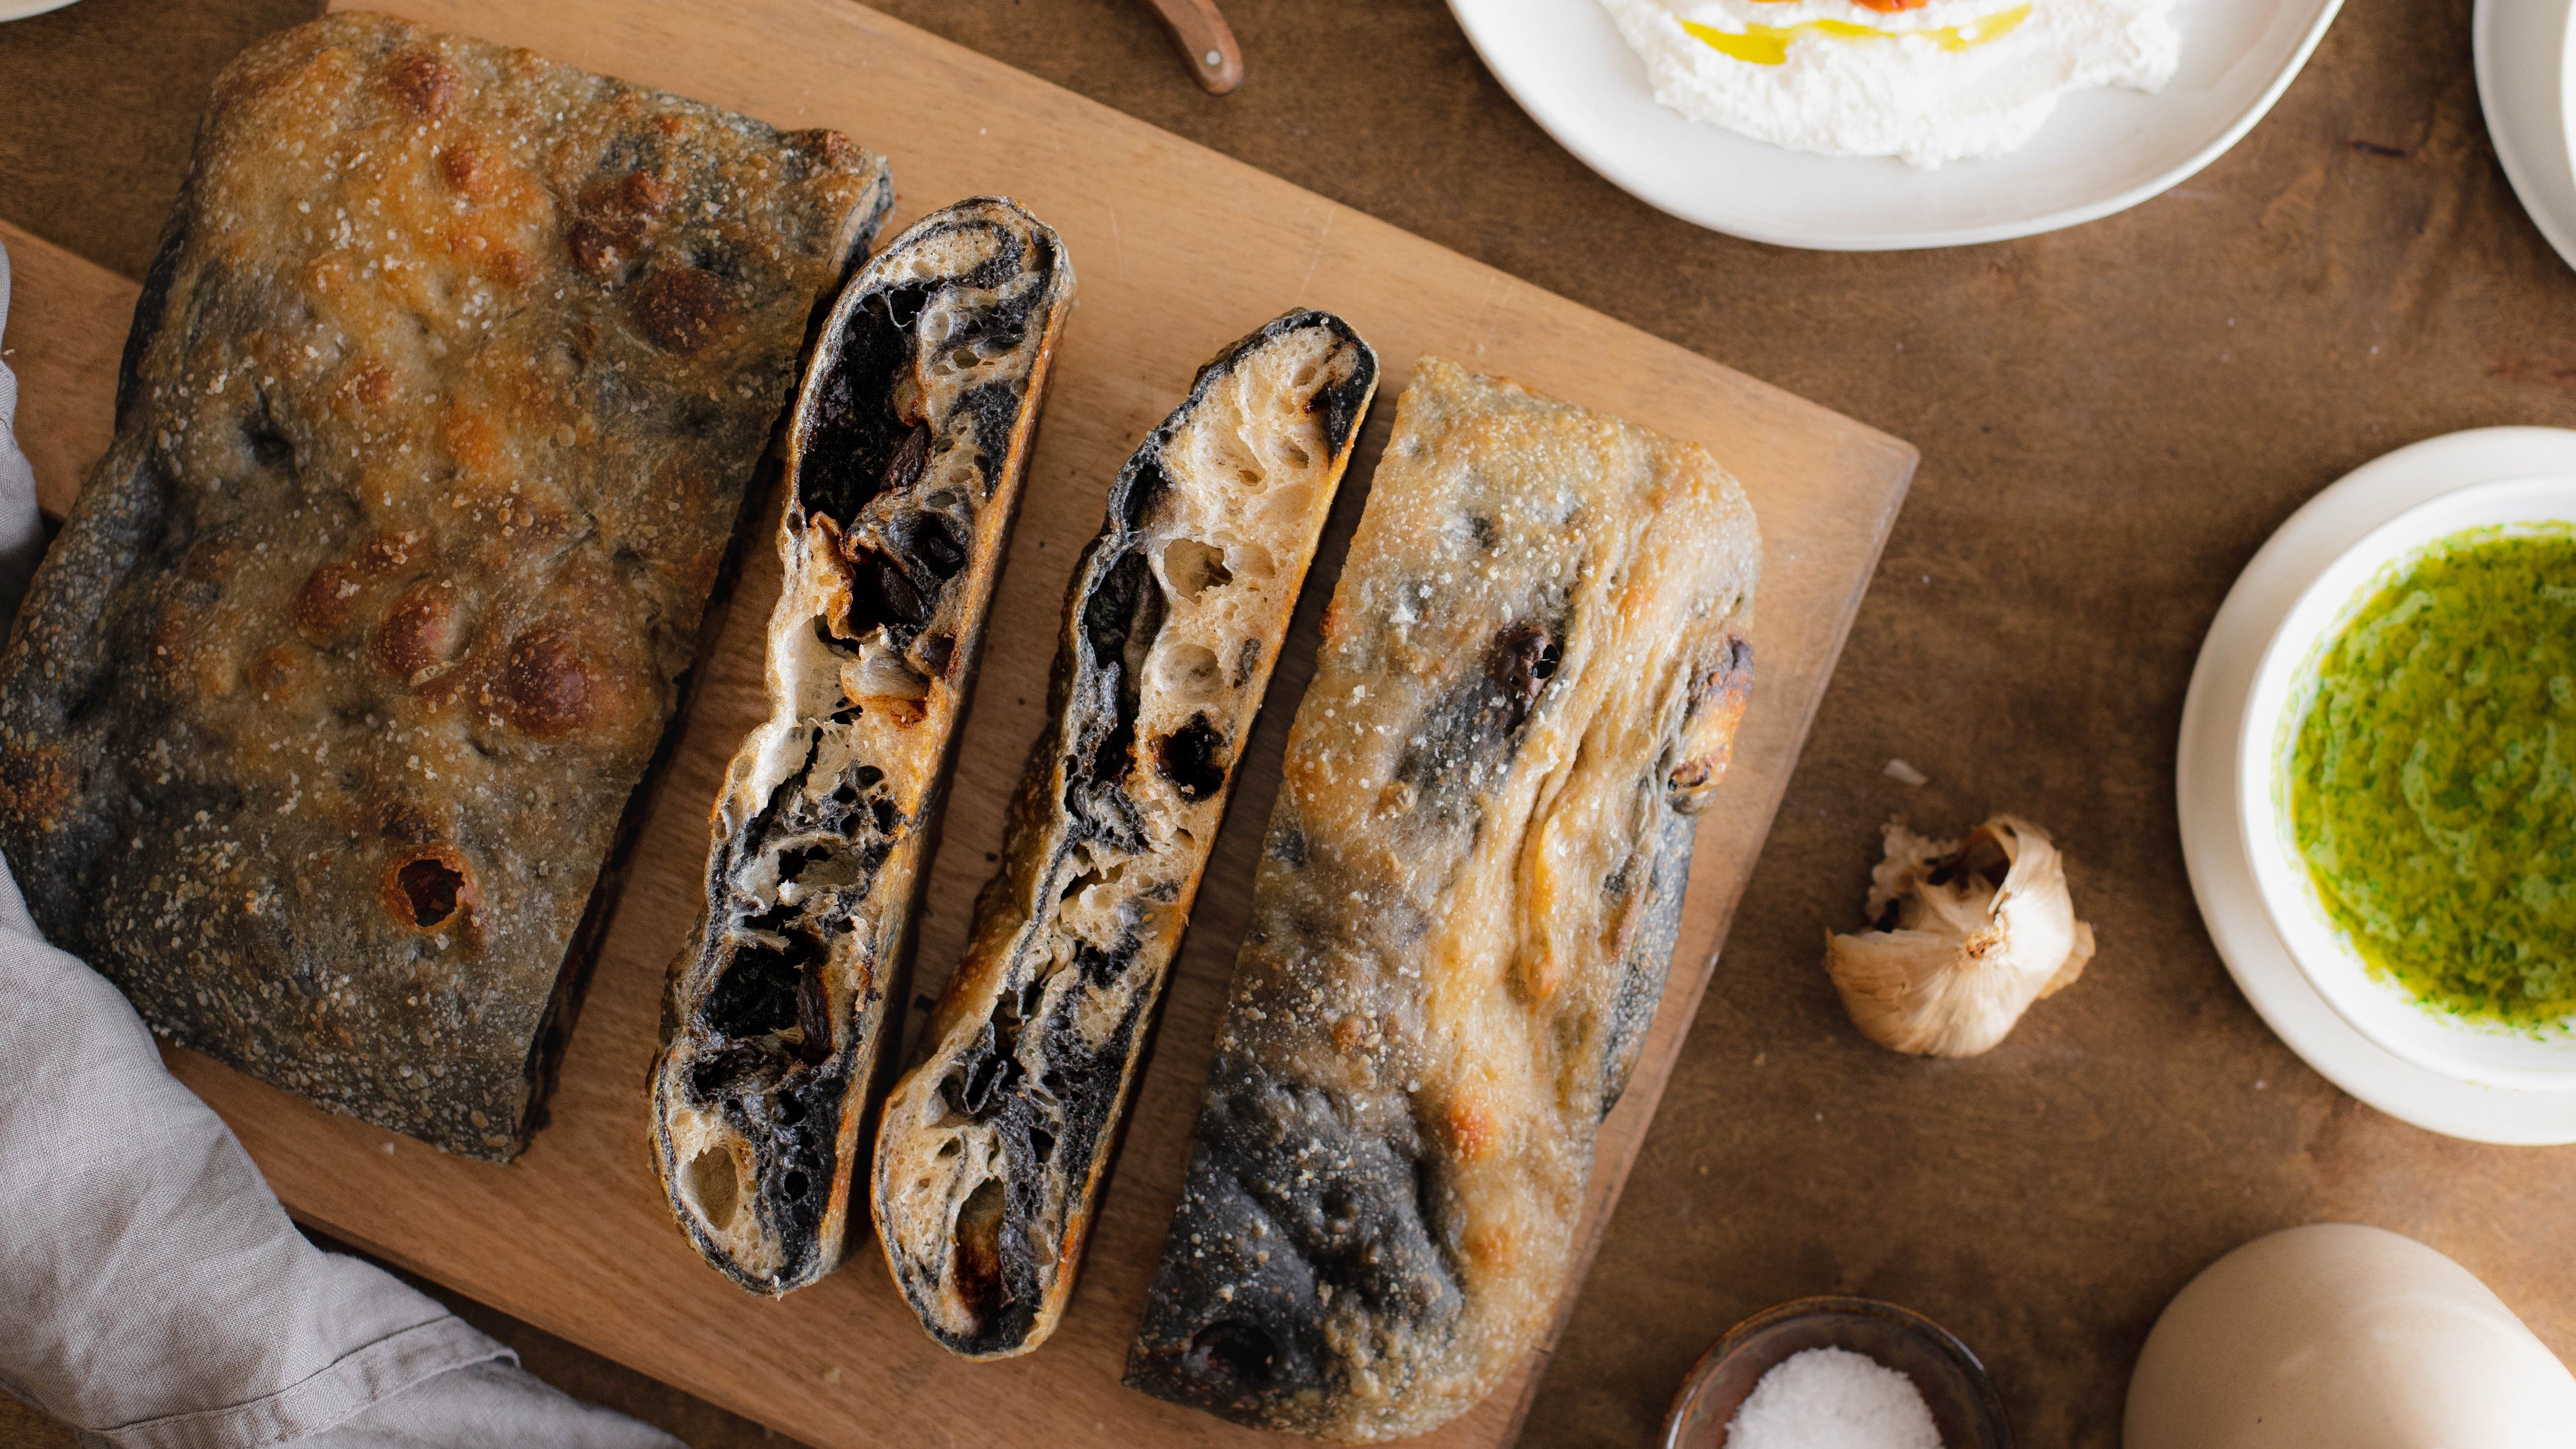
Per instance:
(2101,152)
(2205,776)
(2284,685)
(21,9)
(2524,86)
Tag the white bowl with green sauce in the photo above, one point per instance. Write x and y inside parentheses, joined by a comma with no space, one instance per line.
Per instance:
(2407,784)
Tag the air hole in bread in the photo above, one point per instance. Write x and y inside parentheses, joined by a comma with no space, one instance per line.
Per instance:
(431,887)
(715,1186)
(988,1076)
(853,442)
(911,455)
(1110,876)
(1237,1353)
(979,1249)
(1077,872)
(823,634)
(268,446)
(933,539)
(1192,568)
(1120,623)
(882,595)
(1187,673)
(1341,1214)
(1144,494)
(813,1017)
(883,680)
(1524,659)
(757,994)
(884,674)
(1193,759)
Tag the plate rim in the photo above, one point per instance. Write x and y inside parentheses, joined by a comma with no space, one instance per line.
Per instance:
(2524,166)
(2368,1005)
(2205,787)
(1919,240)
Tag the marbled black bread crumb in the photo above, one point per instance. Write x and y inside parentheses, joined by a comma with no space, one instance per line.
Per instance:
(910,439)
(995,1147)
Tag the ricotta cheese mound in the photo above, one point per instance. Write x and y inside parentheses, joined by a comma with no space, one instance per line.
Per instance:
(1950,80)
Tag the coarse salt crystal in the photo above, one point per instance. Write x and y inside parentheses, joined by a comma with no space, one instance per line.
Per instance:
(1833,1398)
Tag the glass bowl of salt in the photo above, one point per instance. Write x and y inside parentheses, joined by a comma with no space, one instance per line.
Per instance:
(1840,1371)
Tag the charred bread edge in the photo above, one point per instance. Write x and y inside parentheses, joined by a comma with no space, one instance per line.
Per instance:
(1093,710)
(806,1242)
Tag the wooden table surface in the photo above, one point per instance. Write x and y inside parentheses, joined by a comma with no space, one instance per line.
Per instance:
(2112,419)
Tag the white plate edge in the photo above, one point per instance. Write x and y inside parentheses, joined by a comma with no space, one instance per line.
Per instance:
(1928,240)
(2280,995)
(2523,170)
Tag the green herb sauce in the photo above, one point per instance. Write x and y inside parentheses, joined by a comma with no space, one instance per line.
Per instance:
(2430,787)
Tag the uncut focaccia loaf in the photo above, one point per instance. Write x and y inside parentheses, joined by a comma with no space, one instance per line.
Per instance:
(432,434)
(993,1148)
(905,454)
(1532,671)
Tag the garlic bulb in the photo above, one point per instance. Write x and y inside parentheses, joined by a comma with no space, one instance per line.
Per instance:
(1968,934)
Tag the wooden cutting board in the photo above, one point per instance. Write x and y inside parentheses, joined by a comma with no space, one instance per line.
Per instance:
(1179,251)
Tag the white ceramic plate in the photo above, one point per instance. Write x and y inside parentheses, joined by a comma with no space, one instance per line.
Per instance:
(2283,689)
(2222,879)
(2103,151)
(2523,76)
(21,9)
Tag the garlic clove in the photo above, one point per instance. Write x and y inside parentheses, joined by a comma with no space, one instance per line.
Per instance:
(1968,934)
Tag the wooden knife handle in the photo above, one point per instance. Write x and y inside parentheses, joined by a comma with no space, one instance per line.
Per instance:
(1206,42)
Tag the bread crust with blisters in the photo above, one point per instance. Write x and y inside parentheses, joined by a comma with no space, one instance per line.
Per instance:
(323,715)
(1533,668)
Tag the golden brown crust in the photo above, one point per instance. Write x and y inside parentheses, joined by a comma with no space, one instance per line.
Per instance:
(324,710)
(1532,666)
(910,439)
(994,1148)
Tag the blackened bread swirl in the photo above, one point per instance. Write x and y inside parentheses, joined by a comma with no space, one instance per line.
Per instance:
(1532,671)
(994,1148)
(911,435)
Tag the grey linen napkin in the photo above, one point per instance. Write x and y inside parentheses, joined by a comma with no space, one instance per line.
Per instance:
(152,1292)
(22,533)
